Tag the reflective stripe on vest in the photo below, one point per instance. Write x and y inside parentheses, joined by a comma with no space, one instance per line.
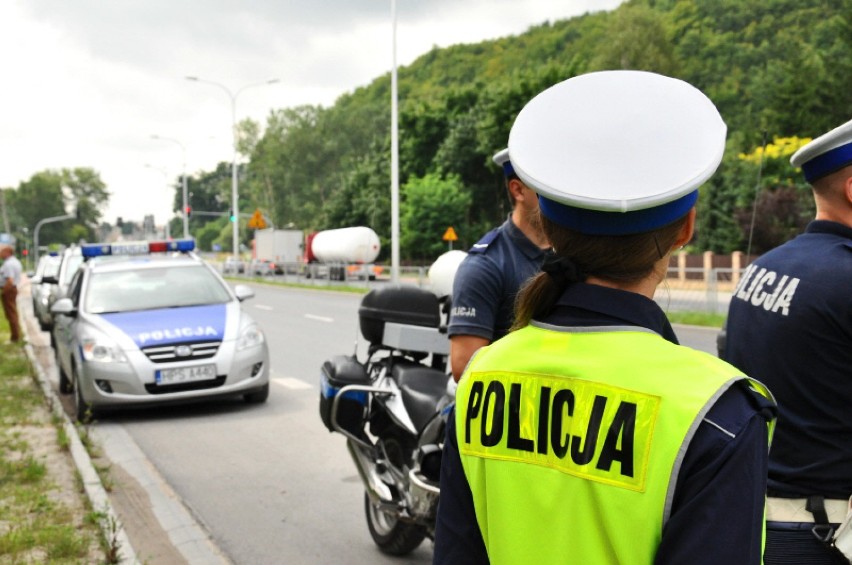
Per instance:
(572,441)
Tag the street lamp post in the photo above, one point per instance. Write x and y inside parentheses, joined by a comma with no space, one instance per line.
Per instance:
(185,196)
(234,188)
(165,174)
(41,223)
(394,161)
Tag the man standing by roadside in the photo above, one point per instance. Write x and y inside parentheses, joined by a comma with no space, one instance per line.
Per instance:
(10,278)
(790,327)
(489,278)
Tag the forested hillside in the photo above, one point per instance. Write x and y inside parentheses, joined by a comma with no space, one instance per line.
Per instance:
(779,71)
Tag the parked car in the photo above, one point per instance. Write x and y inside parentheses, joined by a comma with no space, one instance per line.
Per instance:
(233,266)
(161,328)
(40,284)
(263,267)
(69,261)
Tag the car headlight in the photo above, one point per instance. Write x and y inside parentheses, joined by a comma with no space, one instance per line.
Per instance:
(250,337)
(101,350)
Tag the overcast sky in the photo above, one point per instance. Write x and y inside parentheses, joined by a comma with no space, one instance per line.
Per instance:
(86,83)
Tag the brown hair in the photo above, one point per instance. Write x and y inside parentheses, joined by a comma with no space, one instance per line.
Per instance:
(616,258)
(831,186)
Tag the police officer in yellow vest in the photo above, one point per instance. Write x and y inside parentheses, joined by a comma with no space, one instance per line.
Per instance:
(588,435)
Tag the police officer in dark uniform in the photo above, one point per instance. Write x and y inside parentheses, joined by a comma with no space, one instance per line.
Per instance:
(488,280)
(587,434)
(790,326)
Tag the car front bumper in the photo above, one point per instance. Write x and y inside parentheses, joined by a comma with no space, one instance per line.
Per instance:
(106,385)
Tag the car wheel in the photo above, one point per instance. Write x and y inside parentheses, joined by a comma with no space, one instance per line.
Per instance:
(65,384)
(83,411)
(258,396)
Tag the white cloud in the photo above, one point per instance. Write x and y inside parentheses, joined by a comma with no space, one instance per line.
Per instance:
(86,83)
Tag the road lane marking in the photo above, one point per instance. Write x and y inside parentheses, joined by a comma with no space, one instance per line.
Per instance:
(319,318)
(263,307)
(292,383)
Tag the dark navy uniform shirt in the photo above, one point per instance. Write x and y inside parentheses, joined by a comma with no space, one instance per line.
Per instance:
(790,327)
(488,280)
(717,510)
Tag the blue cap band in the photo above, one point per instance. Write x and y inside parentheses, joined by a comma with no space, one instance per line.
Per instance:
(828,162)
(508,169)
(596,222)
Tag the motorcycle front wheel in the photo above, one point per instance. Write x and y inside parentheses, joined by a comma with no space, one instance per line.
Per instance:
(392,536)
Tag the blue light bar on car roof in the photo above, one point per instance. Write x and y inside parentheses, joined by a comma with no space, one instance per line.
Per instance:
(136,247)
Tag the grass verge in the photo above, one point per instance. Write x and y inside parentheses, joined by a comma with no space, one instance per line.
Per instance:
(697,319)
(41,519)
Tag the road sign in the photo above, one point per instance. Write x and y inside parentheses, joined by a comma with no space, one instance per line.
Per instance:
(256,222)
(450,235)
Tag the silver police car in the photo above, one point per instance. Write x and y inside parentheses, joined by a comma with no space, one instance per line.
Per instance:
(42,281)
(150,322)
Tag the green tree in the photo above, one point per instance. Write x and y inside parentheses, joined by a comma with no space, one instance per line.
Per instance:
(208,234)
(363,198)
(321,168)
(429,206)
(88,195)
(54,193)
(638,39)
(209,193)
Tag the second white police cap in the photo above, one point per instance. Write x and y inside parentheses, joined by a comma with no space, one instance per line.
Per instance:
(501,159)
(617,152)
(826,154)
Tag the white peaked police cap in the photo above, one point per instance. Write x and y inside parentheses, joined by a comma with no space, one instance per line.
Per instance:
(501,159)
(617,152)
(826,154)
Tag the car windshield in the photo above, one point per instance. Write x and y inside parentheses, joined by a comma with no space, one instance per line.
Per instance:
(51,267)
(74,262)
(149,289)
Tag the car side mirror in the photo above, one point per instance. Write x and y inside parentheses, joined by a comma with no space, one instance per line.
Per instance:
(34,279)
(243,292)
(47,279)
(64,306)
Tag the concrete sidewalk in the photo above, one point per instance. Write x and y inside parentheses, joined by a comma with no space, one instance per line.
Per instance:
(144,516)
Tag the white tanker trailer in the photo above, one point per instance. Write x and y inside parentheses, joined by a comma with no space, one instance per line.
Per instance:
(346,252)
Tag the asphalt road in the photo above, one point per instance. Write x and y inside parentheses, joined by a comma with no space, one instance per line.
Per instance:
(268,483)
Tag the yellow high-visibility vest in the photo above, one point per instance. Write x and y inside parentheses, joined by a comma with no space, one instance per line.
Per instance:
(571,441)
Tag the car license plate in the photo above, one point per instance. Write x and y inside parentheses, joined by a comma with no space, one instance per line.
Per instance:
(185,374)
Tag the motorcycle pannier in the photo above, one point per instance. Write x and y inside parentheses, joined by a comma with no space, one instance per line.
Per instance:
(337,372)
(399,304)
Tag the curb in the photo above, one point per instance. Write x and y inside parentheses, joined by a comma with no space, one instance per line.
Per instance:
(92,484)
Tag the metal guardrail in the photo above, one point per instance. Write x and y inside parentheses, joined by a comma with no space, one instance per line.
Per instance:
(683,290)
(318,275)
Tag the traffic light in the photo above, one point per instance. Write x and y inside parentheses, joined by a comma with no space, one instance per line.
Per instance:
(25,252)
(231,215)
(188,211)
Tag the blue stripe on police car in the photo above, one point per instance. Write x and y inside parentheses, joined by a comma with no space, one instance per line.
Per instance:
(171,325)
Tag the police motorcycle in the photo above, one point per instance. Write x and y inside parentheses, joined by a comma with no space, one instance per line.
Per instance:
(392,408)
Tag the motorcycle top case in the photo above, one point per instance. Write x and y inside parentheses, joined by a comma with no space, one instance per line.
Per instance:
(337,372)
(399,304)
